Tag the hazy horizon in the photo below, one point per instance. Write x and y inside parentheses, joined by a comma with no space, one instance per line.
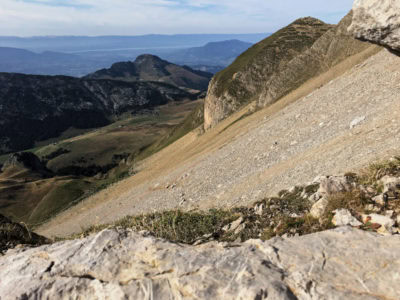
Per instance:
(37,18)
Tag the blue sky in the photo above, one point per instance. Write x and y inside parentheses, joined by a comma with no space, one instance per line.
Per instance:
(134,17)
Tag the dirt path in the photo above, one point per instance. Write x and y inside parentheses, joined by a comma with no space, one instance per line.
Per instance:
(273,149)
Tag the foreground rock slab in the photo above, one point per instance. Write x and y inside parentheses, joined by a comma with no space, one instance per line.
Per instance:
(377,21)
(344,263)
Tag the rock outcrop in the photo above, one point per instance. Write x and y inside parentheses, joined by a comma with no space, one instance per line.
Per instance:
(26,160)
(377,22)
(13,234)
(126,265)
(152,68)
(278,65)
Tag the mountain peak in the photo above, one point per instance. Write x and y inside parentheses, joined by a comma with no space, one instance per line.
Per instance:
(147,67)
(310,21)
(149,58)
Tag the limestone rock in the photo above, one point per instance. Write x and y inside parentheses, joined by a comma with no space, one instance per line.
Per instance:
(334,184)
(357,121)
(386,223)
(126,265)
(343,217)
(318,209)
(379,199)
(390,184)
(377,21)
(234,225)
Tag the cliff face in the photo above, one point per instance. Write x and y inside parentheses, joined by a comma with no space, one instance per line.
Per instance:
(289,58)
(152,68)
(35,108)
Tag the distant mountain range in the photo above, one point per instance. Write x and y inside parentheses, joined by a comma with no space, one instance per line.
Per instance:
(14,60)
(35,108)
(113,43)
(212,54)
(212,57)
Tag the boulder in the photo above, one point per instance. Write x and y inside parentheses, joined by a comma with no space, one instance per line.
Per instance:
(390,184)
(334,184)
(377,21)
(344,263)
(343,217)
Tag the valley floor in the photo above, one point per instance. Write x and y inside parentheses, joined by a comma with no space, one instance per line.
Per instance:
(341,126)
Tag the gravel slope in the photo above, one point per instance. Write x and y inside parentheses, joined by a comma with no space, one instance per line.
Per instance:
(310,137)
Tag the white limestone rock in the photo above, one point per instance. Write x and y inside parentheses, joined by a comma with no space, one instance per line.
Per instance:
(126,265)
(343,217)
(377,21)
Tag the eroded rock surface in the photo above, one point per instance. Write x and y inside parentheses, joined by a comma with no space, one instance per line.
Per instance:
(377,22)
(126,265)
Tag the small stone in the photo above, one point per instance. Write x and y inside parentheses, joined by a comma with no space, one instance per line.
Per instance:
(371,207)
(379,199)
(343,217)
(357,121)
(389,213)
(258,209)
(315,197)
(390,184)
(234,225)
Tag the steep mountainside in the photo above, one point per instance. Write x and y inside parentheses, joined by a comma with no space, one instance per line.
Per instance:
(35,108)
(152,68)
(330,49)
(213,54)
(242,81)
(276,69)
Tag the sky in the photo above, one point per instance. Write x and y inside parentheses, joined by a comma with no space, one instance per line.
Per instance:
(138,17)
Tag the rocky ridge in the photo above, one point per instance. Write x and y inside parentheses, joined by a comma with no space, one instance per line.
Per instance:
(278,69)
(243,80)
